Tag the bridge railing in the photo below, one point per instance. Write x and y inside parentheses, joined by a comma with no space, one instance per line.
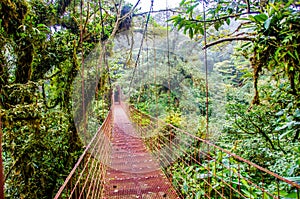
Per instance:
(86,179)
(200,169)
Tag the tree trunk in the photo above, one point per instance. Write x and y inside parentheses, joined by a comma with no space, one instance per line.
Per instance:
(1,165)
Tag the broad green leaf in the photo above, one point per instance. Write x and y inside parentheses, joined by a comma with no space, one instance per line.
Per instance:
(285,134)
(266,196)
(291,54)
(185,29)
(267,23)
(41,25)
(283,193)
(279,128)
(182,2)
(261,17)
(228,21)
(181,24)
(191,8)
(291,195)
(201,30)
(217,26)
(280,113)
(297,55)
(245,183)
(191,33)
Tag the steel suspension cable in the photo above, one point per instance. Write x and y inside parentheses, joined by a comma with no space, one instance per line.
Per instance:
(206,70)
(82,71)
(223,174)
(168,57)
(155,78)
(155,75)
(95,155)
(141,45)
(98,69)
(148,68)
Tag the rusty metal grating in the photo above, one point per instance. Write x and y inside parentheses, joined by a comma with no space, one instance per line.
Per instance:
(200,169)
(133,172)
(132,163)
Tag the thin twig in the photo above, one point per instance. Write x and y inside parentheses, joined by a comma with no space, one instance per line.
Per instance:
(238,28)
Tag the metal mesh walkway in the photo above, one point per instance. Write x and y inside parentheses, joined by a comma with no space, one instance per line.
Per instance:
(133,172)
(118,163)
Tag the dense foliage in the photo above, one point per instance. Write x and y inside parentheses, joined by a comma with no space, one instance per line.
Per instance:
(253,81)
(260,129)
(42,45)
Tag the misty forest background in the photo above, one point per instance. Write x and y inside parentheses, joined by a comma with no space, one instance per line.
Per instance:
(253,78)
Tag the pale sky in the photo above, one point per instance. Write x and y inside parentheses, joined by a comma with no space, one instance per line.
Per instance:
(157,5)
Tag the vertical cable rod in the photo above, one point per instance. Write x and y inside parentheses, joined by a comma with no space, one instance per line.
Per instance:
(155,76)
(206,70)
(141,45)
(82,70)
(168,57)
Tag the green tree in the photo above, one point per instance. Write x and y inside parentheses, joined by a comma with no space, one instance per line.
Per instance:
(41,51)
(270,34)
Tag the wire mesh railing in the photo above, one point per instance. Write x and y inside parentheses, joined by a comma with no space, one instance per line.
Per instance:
(200,169)
(86,179)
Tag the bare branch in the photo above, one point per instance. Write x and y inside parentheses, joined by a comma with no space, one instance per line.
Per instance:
(157,11)
(228,39)
(225,17)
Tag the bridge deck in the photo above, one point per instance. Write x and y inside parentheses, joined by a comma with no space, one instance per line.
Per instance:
(133,173)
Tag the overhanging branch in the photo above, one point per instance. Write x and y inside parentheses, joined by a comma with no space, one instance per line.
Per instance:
(157,11)
(224,17)
(228,39)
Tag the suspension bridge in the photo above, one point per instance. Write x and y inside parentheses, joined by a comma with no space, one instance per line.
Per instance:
(134,155)
(129,158)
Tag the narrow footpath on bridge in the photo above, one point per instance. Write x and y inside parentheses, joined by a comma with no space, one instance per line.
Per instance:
(133,172)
